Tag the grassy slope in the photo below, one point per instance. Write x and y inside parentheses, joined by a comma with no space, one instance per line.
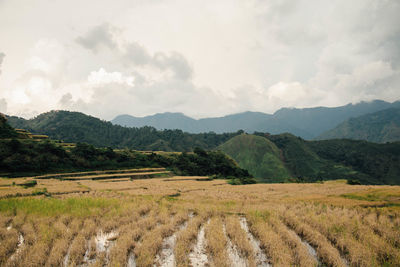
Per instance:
(257,155)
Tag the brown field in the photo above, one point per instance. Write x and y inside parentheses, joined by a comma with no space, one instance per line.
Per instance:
(187,221)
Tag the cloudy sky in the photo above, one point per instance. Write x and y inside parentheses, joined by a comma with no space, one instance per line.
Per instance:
(203,58)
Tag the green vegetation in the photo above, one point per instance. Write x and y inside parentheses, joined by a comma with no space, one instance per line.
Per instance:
(31,183)
(380,127)
(374,195)
(82,207)
(28,157)
(380,163)
(258,155)
(77,127)
(6,131)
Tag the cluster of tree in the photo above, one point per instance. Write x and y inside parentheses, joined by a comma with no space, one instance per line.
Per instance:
(6,131)
(77,127)
(380,162)
(23,157)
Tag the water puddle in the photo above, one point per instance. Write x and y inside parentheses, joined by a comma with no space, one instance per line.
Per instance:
(166,258)
(236,259)
(261,257)
(20,245)
(104,241)
(131,260)
(310,249)
(199,257)
(66,258)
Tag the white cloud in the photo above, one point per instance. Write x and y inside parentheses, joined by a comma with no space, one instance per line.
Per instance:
(102,77)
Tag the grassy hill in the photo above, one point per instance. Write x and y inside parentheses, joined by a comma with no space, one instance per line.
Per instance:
(380,127)
(257,155)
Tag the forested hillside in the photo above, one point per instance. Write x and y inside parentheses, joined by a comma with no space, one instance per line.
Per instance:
(380,127)
(78,127)
(31,157)
(310,161)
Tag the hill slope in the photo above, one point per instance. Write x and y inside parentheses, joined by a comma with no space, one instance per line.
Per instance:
(78,127)
(285,157)
(306,123)
(6,131)
(380,127)
(257,155)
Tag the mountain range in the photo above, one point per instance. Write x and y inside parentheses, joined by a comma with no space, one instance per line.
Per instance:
(270,158)
(379,127)
(307,123)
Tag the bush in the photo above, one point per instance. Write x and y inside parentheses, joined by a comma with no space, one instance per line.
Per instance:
(353,182)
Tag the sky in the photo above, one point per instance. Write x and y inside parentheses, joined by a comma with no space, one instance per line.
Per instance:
(204,58)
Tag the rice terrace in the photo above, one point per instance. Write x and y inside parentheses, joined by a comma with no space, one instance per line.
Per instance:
(195,221)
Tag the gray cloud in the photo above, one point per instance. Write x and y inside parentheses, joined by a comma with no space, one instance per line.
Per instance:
(135,54)
(2,56)
(98,36)
(176,62)
(66,100)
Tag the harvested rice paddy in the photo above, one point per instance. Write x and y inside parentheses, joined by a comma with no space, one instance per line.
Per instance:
(193,221)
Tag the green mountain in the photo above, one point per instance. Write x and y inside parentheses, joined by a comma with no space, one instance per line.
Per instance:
(285,157)
(77,127)
(258,155)
(307,123)
(380,127)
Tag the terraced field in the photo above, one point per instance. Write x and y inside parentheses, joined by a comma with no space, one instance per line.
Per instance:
(50,184)
(192,221)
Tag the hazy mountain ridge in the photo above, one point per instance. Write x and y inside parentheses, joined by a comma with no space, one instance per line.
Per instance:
(307,123)
(380,127)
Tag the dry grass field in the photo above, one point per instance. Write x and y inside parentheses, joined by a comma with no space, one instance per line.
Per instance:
(192,221)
